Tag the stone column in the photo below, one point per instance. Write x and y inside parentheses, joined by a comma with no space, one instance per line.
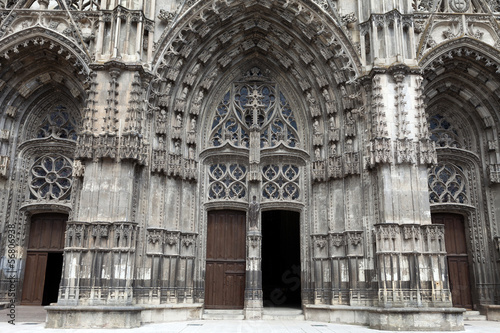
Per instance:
(102,233)
(410,255)
(253,288)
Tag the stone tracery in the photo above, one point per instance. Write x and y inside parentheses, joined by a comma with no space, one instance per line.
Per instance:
(254,106)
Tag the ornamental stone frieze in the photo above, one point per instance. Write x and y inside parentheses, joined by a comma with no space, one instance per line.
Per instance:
(454,19)
(339,244)
(174,165)
(125,147)
(392,237)
(4,166)
(102,236)
(164,242)
(494,171)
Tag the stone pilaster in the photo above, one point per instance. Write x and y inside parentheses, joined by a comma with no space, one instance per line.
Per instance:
(411,267)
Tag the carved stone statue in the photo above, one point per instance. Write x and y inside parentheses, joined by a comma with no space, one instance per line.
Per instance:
(253,213)
(193,125)
(179,120)
(317,153)
(191,152)
(316,127)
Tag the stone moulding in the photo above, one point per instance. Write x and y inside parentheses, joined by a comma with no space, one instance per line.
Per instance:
(492,312)
(119,317)
(93,316)
(393,319)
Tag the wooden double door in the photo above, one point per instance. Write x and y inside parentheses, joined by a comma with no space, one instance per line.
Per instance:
(458,260)
(225,266)
(42,273)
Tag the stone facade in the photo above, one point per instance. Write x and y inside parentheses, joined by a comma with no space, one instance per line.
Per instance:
(137,119)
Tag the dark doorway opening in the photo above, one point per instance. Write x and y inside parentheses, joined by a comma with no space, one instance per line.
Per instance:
(281,258)
(52,278)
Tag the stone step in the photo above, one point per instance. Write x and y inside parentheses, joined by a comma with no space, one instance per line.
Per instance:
(282,314)
(223,315)
(474,316)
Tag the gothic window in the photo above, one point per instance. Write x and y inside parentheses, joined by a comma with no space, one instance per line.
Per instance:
(280,182)
(51,178)
(447,184)
(227,181)
(443,133)
(58,124)
(253,114)
(254,106)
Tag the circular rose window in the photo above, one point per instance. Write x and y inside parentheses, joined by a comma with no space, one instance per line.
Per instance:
(51,178)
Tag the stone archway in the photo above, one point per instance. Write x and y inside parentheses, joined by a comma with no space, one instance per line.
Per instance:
(204,56)
(462,119)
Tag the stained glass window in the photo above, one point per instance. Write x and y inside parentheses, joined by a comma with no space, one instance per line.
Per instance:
(258,106)
(443,133)
(447,184)
(227,181)
(280,182)
(51,178)
(59,124)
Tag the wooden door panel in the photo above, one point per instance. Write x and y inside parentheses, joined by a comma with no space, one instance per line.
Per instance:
(458,266)
(225,267)
(214,283)
(34,279)
(47,232)
(459,282)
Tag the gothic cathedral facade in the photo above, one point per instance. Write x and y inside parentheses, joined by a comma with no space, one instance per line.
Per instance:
(161,158)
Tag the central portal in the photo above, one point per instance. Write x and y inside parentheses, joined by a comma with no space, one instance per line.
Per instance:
(281,258)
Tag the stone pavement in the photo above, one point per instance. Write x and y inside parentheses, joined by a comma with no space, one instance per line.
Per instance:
(31,318)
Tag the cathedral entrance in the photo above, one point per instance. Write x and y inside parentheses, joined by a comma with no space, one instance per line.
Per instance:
(281,258)
(226,253)
(44,259)
(457,258)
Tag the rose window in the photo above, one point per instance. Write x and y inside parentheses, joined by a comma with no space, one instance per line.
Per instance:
(51,178)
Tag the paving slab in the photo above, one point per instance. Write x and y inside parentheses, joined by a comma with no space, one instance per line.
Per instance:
(31,319)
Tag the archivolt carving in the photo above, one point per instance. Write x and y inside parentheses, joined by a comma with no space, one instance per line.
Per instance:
(461,47)
(203,12)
